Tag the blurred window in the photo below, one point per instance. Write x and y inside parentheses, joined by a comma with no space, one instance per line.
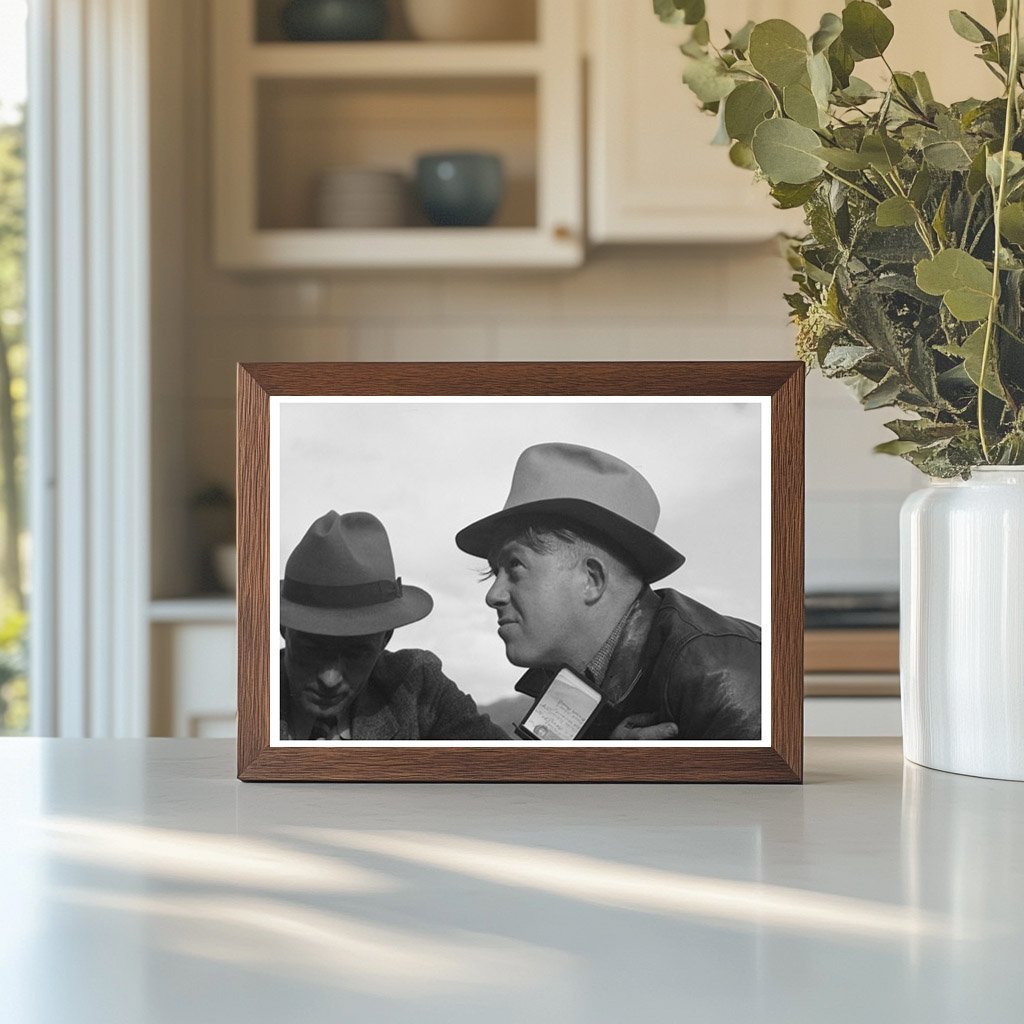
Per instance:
(14,537)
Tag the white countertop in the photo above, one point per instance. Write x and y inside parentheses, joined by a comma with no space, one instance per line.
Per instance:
(143,884)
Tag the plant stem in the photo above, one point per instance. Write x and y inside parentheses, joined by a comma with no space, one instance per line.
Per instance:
(855,187)
(993,309)
(922,225)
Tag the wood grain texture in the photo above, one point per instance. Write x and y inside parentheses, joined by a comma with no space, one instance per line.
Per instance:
(518,761)
(252,486)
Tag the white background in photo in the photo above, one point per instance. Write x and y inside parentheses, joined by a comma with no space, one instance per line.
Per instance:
(428,469)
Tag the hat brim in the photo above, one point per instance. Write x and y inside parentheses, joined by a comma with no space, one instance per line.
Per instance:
(413,605)
(653,556)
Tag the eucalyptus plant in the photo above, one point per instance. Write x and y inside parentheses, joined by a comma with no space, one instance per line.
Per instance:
(911,275)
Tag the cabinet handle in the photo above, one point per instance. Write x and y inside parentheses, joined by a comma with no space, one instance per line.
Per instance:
(563,232)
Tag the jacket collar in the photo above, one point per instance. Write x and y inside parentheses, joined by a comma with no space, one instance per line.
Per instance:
(624,665)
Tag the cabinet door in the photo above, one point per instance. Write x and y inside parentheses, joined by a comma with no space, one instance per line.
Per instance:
(653,174)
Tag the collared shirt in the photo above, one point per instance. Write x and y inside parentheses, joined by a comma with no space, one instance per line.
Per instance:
(597,667)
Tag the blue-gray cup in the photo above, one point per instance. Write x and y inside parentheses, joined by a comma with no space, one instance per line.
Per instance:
(334,20)
(460,189)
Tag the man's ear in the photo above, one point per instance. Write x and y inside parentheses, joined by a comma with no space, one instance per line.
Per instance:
(596,579)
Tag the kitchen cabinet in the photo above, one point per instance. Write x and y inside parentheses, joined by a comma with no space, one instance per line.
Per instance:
(286,113)
(653,175)
(193,659)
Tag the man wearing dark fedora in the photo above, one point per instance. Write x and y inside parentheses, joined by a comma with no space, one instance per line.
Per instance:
(572,554)
(340,603)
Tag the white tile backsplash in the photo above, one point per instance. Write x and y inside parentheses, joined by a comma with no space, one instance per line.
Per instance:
(718,302)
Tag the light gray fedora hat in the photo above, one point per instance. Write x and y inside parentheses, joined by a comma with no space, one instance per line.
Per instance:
(588,487)
(340,580)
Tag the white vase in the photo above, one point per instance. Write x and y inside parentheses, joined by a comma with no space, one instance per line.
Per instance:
(962,624)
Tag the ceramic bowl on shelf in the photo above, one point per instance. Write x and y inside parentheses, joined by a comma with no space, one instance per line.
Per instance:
(334,20)
(361,198)
(460,189)
(470,20)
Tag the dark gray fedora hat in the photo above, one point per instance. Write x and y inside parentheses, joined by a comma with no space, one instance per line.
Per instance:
(340,580)
(588,487)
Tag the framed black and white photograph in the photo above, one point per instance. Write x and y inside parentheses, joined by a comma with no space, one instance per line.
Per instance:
(514,572)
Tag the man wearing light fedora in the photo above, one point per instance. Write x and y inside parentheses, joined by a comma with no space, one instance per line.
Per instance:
(572,555)
(340,603)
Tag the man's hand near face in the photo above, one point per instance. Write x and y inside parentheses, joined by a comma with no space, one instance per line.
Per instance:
(644,727)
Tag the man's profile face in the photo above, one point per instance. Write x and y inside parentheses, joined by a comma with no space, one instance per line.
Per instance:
(538,598)
(327,673)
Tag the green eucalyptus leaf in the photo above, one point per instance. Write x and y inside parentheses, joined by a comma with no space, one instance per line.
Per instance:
(866,29)
(820,75)
(994,168)
(789,197)
(741,155)
(921,185)
(830,29)
(896,212)
(971,352)
(924,88)
(858,91)
(939,220)
(668,12)
(999,7)
(694,11)
(800,105)
(976,174)
(967,304)
(1012,223)
(923,431)
(885,394)
(676,12)
(841,60)
(744,67)
(946,156)
(784,151)
(701,33)
(739,41)
(844,159)
(778,50)
(906,87)
(745,108)
(707,80)
(883,153)
(969,28)
(963,281)
(895,447)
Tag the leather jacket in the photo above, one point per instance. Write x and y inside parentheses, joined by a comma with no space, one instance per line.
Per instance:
(683,661)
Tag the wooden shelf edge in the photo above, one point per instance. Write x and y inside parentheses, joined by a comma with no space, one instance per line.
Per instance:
(392,60)
(318,248)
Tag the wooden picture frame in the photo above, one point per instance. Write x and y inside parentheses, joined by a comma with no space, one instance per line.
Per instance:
(778,386)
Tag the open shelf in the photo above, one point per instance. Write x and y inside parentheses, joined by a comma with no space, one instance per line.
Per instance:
(306,128)
(287,113)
